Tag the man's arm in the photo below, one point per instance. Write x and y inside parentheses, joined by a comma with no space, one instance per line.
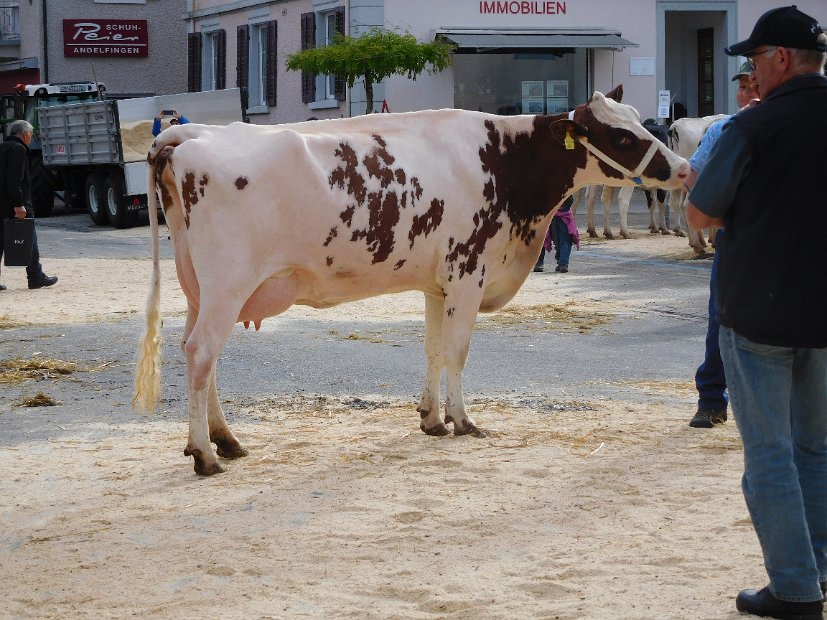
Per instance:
(700,220)
(717,184)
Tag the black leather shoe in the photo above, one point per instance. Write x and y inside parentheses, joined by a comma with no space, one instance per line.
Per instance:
(763,603)
(707,418)
(43,281)
(538,268)
(2,288)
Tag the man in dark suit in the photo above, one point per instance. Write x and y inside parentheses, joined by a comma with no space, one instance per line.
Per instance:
(15,193)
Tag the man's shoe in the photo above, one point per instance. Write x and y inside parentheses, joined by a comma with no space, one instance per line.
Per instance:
(538,268)
(2,288)
(707,418)
(763,603)
(43,281)
(563,269)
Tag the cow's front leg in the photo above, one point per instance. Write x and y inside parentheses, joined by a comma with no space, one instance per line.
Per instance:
(460,312)
(624,197)
(226,443)
(608,198)
(431,423)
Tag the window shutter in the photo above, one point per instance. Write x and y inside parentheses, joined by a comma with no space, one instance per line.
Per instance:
(242,34)
(194,62)
(339,80)
(308,41)
(221,61)
(272,55)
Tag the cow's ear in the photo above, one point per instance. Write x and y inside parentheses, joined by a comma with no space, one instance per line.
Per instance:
(616,93)
(565,128)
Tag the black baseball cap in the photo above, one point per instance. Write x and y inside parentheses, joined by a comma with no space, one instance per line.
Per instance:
(785,27)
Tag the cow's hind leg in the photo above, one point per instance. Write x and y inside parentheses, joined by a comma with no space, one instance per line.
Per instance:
(431,423)
(226,443)
(202,346)
(459,314)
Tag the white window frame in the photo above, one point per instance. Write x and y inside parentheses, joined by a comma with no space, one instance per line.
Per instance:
(328,32)
(209,60)
(257,67)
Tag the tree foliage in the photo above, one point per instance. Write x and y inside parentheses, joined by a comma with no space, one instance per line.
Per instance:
(373,56)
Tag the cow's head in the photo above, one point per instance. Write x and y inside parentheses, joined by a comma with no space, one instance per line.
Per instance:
(624,151)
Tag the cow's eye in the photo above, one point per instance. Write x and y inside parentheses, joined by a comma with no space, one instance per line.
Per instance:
(622,140)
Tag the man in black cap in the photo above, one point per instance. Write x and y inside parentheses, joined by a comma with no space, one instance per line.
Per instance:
(764,182)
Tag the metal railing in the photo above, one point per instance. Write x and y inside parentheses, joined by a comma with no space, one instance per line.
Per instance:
(9,20)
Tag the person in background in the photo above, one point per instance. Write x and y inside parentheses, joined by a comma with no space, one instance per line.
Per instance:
(710,380)
(764,181)
(176,119)
(562,232)
(15,194)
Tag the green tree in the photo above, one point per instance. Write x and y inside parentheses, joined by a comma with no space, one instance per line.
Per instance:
(374,56)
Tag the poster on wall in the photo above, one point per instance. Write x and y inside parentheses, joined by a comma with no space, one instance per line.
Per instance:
(533,105)
(557,105)
(558,88)
(532,88)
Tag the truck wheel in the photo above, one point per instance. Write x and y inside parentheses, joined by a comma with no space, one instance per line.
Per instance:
(95,198)
(43,185)
(117,208)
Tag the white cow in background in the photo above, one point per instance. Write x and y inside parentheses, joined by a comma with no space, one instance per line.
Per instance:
(623,195)
(684,137)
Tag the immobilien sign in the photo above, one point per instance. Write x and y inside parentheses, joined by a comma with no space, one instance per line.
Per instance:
(523,7)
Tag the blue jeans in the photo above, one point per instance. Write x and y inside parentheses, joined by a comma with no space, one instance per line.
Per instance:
(710,379)
(562,241)
(779,397)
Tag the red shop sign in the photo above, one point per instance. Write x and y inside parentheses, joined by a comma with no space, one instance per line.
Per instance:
(105,37)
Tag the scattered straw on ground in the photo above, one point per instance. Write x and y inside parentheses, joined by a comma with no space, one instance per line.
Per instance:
(7,322)
(18,370)
(38,400)
(568,317)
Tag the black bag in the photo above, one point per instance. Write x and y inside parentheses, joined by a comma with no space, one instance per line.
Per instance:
(18,239)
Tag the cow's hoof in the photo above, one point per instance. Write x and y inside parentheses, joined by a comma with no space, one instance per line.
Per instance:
(467,428)
(229,449)
(664,231)
(625,235)
(440,430)
(592,233)
(203,467)
(608,234)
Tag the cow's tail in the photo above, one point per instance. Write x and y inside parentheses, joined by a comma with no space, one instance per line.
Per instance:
(148,371)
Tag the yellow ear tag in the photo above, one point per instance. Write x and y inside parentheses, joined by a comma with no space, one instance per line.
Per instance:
(569,142)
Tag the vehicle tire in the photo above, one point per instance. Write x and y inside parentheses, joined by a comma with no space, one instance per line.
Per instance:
(43,185)
(96,198)
(117,208)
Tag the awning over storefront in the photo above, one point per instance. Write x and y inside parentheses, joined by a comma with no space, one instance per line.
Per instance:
(490,40)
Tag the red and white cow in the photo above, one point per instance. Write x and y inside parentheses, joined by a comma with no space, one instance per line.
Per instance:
(684,137)
(449,202)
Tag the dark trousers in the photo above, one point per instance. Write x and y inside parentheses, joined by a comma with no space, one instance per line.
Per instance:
(709,379)
(34,270)
(562,241)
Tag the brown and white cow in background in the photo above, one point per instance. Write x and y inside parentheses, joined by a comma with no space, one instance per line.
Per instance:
(453,203)
(684,137)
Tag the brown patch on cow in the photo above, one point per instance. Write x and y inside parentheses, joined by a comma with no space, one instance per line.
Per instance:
(384,205)
(329,261)
(347,215)
(331,236)
(189,195)
(450,311)
(399,264)
(347,177)
(202,183)
(378,163)
(241,183)
(428,222)
(383,211)
(163,159)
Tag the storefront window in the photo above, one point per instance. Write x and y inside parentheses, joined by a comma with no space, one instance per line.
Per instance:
(521,83)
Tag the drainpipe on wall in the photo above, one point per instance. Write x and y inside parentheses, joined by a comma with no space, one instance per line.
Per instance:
(45,77)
